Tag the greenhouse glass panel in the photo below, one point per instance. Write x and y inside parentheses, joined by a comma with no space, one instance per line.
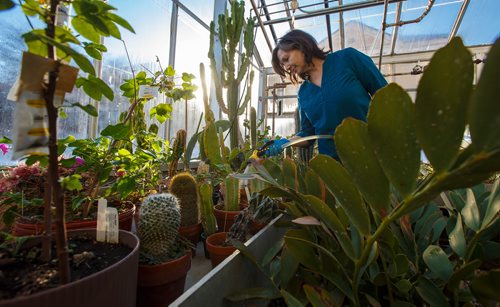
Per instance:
(191,49)
(202,9)
(432,32)
(363,29)
(481,23)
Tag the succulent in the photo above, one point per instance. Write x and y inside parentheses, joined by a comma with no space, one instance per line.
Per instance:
(207,209)
(158,228)
(177,151)
(231,193)
(184,187)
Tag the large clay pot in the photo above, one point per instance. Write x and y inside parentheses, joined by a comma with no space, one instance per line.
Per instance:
(225,219)
(27,229)
(161,284)
(116,285)
(215,247)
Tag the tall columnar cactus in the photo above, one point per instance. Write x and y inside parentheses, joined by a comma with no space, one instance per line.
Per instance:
(177,151)
(158,227)
(184,187)
(207,209)
(232,194)
(229,32)
(210,141)
(253,127)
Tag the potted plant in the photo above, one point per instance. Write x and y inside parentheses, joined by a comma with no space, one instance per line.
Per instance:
(45,78)
(184,187)
(165,255)
(383,241)
(208,221)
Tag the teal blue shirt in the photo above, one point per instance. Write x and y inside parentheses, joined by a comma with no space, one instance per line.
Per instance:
(349,80)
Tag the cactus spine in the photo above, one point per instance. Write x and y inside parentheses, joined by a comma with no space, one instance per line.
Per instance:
(232,196)
(184,187)
(253,127)
(229,32)
(158,227)
(207,209)
(177,151)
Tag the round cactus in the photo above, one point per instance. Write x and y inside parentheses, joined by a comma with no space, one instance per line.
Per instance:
(183,186)
(158,228)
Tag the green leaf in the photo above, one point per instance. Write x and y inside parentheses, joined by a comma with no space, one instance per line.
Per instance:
(169,71)
(457,238)
(94,53)
(163,111)
(403,285)
(272,252)
(6,4)
(358,157)
(5,140)
(483,115)
(68,162)
(391,127)
(85,28)
(493,205)
(463,273)
(485,287)
(91,90)
(318,297)
(438,262)
(442,102)
(126,185)
(290,300)
(337,180)
(72,183)
(122,22)
(118,132)
(103,87)
(470,212)
(328,217)
(289,174)
(431,293)
(89,109)
(43,160)
(288,266)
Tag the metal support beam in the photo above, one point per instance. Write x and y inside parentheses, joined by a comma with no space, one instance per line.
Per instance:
(191,14)
(337,9)
(342,27)
(328,27)
(266,12)
(458,21)
(171,52)
(396,28)
(264,32)
(287,11)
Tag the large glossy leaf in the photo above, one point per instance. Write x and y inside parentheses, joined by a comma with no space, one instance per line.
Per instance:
(6,4)
(338,181)
(391,127)
(118,132)
(253,293)
(288,267)
(291,300)
(457,238)
(484,115)
(290,174)
(85,28)
(314,185)
(493,205)
(330,219)
(441,104)
(431,293)
(274,170)
(318,297)
(357,155)
(470,213)
(438,262)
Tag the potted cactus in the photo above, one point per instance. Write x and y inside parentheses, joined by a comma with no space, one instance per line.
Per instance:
(165,257)
(183,186)
(230,205)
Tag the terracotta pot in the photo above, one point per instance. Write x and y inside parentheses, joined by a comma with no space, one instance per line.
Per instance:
(116,285)
(225,219)
(27,229)
(161,284)
(218,252)
(192,233)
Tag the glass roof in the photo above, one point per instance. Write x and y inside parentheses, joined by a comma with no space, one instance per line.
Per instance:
(338,24)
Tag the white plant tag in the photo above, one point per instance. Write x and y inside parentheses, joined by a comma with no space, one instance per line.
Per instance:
(112,225)
(147,91)
(101,220)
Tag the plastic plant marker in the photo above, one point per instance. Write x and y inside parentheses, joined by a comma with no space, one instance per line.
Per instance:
(112,225)
(101,220)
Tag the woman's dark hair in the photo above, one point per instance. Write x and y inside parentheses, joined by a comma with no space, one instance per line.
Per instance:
(296,40)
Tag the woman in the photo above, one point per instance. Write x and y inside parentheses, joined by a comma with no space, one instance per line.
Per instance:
(335,86)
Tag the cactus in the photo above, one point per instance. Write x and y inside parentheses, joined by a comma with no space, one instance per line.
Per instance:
(158,228)
(210,140)
(207,209)
(184,187)
(232,194)
(253,127)
(229,31)
(177,151)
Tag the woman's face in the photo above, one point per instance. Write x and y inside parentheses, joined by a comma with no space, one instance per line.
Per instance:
(293,61)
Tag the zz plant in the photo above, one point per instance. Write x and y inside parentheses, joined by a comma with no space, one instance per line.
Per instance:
(380,240)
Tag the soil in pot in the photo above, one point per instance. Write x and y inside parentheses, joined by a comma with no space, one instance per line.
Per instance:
(23,274)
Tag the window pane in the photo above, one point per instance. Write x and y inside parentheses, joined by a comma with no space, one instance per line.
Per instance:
(480,25)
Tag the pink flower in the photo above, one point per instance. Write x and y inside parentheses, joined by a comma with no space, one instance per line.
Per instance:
(4,148)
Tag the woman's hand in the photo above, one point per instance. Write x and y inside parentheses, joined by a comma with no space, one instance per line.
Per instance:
(276,148)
